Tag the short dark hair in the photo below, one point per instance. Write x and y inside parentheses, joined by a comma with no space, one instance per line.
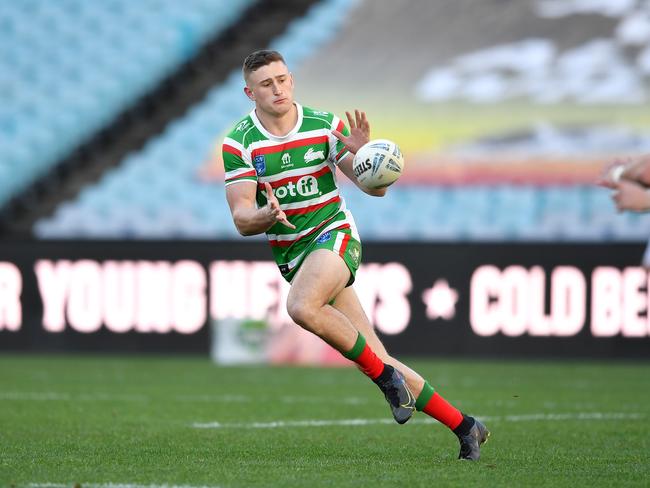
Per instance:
(257,59)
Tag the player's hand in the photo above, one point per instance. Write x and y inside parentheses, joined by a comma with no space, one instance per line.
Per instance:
(606,177)
(631,196)
(273,207)
(359,131)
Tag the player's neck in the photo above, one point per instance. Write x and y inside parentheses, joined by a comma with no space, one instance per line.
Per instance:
(278,125)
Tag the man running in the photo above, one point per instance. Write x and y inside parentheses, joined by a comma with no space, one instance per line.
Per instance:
(280,162)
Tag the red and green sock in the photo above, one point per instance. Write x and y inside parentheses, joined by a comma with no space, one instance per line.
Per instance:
(435,406)
(428,401)
(367,360)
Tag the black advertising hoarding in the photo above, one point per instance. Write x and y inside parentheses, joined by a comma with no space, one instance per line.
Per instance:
(558,300)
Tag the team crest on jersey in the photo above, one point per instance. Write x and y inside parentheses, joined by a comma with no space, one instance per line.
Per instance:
(242,126)
(324,238)
(260,164)
(354,252)
(311,155)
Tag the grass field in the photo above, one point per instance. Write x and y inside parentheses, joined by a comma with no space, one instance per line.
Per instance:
(106,421)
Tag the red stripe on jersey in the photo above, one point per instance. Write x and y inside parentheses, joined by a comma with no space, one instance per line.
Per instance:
(311,208)
(289,145)
(243,175)
(284,181)
(275,243)
(341,153)
(340,126)
(344,245)
(232,150)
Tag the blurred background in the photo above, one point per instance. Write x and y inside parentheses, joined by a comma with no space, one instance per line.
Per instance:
(115,234)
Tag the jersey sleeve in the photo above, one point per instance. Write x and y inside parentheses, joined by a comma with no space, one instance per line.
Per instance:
(338,150)
(237,162)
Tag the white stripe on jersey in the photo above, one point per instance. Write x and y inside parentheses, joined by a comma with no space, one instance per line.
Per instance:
(236,172)
(311,201)
(246,155)
(350,220)
(295,261)
(338,242)
(233,182)
(333,140)
(293,172)
(298,136)
(290,237)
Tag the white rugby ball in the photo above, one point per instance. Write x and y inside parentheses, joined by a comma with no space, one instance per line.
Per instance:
(378,163)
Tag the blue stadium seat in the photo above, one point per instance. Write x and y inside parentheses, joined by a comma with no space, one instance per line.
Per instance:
(167,166)
(71,66)
(177,204)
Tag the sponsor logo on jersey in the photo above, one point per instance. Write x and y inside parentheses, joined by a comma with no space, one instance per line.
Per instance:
(324,238)
(260,164)
(320,112)
(306,186)
(242,126)
(286,160)
(311,155)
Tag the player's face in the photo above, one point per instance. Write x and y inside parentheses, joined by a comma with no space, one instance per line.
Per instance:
(271,88)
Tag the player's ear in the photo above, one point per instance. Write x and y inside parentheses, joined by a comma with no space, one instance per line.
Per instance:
(249,93)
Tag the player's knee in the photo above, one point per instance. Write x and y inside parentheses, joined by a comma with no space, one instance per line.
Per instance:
(301,313)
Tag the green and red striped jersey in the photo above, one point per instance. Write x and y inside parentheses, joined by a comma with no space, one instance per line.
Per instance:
(301,169)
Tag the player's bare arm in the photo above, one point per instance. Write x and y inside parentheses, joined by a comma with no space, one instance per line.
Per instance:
(346,167)
(635,170)
(631,196)
(249,219)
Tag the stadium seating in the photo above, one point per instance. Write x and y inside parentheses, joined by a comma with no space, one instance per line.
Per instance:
(68,67)
(177,205)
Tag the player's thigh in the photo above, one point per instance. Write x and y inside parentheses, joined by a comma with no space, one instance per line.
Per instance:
(321,277)
(347,302)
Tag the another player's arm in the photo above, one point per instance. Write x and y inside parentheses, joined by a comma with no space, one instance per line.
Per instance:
(359,135)
(637,170)
(249,219)
(630,195)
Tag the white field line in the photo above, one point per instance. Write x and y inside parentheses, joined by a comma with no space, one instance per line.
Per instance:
(45,396)
(551,417)
(110,485)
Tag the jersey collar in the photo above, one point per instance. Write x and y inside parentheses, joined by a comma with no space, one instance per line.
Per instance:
(272,137)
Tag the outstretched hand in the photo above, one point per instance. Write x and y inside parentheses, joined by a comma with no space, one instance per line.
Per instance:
(273,207)
(359,131)
(607,178)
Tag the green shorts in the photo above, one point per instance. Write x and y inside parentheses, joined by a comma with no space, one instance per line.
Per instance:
(339,241)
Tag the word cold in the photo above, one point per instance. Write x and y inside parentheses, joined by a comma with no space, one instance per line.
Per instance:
(513,301)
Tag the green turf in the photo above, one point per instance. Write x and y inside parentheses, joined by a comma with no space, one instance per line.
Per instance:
(67,420)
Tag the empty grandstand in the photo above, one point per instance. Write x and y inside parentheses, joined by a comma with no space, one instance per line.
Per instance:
(504,128)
